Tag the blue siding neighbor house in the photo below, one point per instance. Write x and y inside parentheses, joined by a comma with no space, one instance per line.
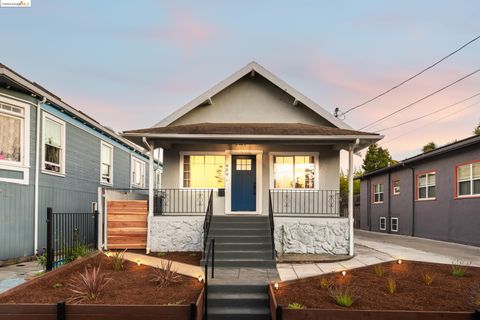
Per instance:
(52,155)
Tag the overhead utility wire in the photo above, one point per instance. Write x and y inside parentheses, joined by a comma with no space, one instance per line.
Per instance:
(411,78)
(430,123)
(419,100)
(429,114)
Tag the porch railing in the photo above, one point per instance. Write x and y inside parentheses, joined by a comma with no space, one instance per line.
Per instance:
(207,222)
(304,201)
(181,201)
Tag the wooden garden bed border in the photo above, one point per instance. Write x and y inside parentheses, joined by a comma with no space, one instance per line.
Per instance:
(60,310)
(279,313)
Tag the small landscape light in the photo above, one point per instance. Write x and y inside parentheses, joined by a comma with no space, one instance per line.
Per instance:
(138,263)
(276,285)
(399,261)
(344,273)
(200,278)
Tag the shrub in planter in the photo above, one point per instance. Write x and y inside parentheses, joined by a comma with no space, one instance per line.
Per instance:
(391,285)
(88,286)
(325,282)
(459,268)
(118,260)
(428,278)
(379,270)
(164,275)
(295,305)
(343,295)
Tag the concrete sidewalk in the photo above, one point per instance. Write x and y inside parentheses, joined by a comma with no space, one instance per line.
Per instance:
(13,275)
(372,248)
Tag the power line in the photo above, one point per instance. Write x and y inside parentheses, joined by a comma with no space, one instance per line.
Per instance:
(429,114)
(419,100)
(430,123)
(412,77)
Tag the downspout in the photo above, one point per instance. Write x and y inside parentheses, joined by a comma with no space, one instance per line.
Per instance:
(37,176)
(151,161)
(389,207)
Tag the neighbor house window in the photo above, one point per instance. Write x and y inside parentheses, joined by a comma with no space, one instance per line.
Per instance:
(53,144)
(138,173)
(468,179)
(377,193)
(426,186)
(396,187)
(106,163)
(294,172)
(204,171)
(11,133)
(394,224)
(383,223)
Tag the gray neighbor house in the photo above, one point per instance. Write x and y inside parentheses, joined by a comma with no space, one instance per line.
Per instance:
(434,195)
(53,155)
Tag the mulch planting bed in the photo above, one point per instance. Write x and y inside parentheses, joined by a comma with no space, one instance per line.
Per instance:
(130,286)
(189,257)
(446,293)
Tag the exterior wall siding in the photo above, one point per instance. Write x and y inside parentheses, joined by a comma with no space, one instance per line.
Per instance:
(446,218)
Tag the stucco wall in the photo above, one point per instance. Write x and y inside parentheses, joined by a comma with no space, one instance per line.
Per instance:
(176,233)
(329,167)
(311,235)
(252,99)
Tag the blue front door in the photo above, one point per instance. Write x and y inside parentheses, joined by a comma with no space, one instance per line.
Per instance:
(244,184)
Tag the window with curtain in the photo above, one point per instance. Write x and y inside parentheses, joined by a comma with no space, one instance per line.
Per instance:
(426,186)
(54,143)
(294,172)
(11,128)
(138,173)
(204,171)
(106,155)
(468,179)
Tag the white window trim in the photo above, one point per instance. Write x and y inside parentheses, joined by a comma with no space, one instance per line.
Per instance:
(24,165)
(395,193)
(384,219)
(106,145)
(391,224)
(375,193)
(316,182)
(46,115)
(199,153)
(471,195)
(132,183)
(426,186)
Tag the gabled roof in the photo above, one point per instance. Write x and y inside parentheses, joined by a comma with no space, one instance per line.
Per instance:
(464,143)
(256,68)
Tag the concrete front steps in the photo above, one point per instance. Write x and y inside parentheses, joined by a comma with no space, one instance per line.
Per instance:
(242,241)
(232,302)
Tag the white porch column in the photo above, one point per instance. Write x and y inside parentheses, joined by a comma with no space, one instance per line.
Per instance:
(350,196)
(151,183)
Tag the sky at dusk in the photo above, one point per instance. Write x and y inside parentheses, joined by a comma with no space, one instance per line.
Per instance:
(130,63)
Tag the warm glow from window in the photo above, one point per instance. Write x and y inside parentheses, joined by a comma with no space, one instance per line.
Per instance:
(297,172)
(203,171)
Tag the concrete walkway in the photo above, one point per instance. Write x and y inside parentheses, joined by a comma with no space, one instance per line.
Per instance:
(182,268)
(372,248)
(13,275)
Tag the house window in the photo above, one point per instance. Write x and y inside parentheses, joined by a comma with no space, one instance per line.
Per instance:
(426,186)
(394,224)
(377,193)
(243,164)
(203,171)
(396,187)
(53,144)
(468,179)
(11,132)
(383,223)
(138,173)
(106,166)
(294,172)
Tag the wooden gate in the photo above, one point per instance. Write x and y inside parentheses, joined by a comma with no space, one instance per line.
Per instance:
(127,224)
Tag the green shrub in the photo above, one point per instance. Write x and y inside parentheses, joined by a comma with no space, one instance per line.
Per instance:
(295,305)
(428,278)
(391,285)
(459,268)
(161,254)
(118,260)
(379,270)
(325,282)
(42,259)
(343,295)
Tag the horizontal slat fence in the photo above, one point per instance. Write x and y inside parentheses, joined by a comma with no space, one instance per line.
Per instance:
(127,224)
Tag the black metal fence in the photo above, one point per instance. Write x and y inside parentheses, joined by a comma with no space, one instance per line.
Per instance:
(69,236)
(320,202)
(181,201)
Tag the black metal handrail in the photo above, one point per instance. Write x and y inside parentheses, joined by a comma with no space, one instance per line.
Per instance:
(211,248)
(181,201)
(272,225)
(305,201)
(207,222)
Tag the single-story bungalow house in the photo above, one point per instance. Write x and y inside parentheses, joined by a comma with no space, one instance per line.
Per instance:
(53,155)
(433,195)
(249,149)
